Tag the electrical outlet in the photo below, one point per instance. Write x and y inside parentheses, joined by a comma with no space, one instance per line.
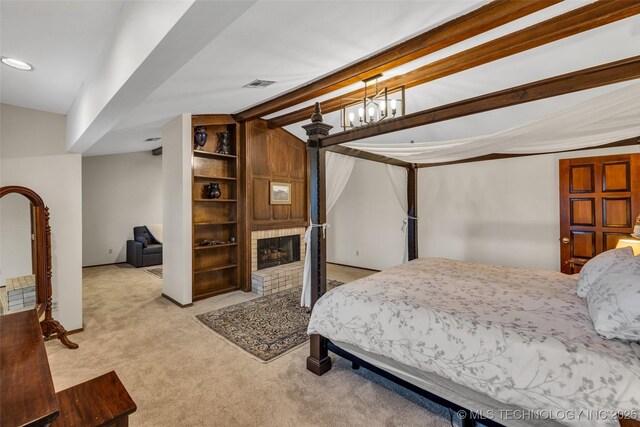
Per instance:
(357,253)
(54,305)
(110,251)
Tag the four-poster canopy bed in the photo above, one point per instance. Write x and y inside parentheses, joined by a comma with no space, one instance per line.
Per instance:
(452,295)
(368,295)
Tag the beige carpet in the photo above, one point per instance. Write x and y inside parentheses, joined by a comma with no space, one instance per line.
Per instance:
(181,374)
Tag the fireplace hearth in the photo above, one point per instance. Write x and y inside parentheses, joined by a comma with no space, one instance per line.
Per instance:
(276,251)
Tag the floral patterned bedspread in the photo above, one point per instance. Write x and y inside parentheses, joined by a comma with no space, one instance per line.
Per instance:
(520,336)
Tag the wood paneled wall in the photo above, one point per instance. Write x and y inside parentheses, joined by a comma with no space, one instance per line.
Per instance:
(275,155)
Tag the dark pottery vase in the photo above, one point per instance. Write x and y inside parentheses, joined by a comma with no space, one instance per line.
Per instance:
(200,136)
(223,143)
(213,191)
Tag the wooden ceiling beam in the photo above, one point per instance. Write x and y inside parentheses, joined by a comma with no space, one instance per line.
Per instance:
(478,21)
(589,78)
(352,152)
(498,156)
(347,151)
(570,23)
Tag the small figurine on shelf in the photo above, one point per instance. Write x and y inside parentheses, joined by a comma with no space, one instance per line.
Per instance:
(211,243)
(200,137)
(213,191)
(223,147)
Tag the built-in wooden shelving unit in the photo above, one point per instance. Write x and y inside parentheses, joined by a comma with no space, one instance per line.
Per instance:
(216,268)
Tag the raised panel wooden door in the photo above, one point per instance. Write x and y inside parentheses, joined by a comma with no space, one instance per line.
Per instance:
(599,201)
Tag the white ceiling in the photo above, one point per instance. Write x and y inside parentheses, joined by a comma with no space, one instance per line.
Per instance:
(291,42)
(61,39)
(281,41)
(617,41)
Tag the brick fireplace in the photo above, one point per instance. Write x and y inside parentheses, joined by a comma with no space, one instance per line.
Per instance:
(277,258)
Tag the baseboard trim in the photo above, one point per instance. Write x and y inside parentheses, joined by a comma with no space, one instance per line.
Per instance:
(176,302)
(103,265)
(354,266)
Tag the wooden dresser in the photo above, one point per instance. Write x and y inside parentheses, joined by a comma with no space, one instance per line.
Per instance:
(28,397)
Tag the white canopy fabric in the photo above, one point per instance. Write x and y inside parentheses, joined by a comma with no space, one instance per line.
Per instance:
(338,171)
(398,178)
(604,119)
(608,118)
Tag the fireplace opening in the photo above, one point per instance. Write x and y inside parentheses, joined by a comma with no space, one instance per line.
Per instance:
(278,250)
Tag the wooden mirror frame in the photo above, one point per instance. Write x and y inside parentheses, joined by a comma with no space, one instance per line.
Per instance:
(42,234)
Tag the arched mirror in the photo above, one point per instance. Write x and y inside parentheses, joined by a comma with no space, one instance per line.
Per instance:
(25,258)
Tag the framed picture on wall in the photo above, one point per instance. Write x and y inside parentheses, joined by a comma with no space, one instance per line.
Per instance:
(280,193)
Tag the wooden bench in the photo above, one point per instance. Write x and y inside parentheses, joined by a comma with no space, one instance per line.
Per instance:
(102,401)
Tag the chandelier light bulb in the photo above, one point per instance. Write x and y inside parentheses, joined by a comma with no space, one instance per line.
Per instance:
(383,107)
(394,105)
(361,114)
(371,113)
(351,117)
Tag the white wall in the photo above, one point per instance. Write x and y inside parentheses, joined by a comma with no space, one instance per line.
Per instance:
(364,225)
(33,151)
(119,192)
(176,209)
(500,212)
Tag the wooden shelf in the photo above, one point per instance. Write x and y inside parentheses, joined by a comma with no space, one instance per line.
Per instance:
(222,267)
(213,155)
(224,245)
(204,224)
(216,200)
(219,178)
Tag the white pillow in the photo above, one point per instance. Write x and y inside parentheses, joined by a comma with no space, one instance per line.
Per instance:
(614,301)
(597,266)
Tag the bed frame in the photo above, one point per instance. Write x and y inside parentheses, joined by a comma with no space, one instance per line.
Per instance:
(319,361)
(469,420)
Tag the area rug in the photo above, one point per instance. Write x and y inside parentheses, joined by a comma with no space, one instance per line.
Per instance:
(265,327)
(155,272)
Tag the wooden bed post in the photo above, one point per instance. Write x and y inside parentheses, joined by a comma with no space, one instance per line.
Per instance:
(318,361)
(412,222)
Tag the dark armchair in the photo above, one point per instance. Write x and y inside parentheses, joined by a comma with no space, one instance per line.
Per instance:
(144,249)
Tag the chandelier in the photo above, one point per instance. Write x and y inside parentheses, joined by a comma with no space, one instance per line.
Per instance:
(378,103)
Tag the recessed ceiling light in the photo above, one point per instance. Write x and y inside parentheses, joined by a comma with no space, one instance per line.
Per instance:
(259,84)
(16,63)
